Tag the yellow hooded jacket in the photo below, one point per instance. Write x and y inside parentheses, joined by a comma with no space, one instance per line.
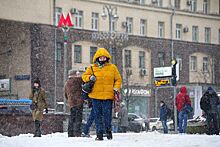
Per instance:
(107,78)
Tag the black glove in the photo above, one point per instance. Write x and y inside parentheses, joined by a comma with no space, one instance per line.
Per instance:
(46,110)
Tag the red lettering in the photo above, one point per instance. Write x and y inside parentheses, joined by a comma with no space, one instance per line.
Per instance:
(65,20)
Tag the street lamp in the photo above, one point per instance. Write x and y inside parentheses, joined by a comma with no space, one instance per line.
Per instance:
(65,38)
(110,39)
(112,15)
(171,30)
(174,64)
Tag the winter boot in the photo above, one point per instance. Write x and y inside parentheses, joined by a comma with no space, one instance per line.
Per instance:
(37,132)
(109,134)
(85,135)
(99,137)
(70,134)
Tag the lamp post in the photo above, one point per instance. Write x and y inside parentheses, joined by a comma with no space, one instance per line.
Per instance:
(171,30)
(110,12)
(65,38)
(173,62)
(110,39)
(112,15)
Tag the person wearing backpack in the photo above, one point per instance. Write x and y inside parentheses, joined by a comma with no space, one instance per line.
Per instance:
(209,104)
(165,112)
(182,100)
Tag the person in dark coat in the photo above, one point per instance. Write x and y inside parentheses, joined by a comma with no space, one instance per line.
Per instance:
(72,91)
(123,118)
(209,104)
(39,104)
(182,99)
(163,116)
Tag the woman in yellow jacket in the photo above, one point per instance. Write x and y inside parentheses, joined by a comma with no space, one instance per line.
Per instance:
(107,82)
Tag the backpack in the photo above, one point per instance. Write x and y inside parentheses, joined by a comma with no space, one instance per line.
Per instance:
(205,103)
(187,108)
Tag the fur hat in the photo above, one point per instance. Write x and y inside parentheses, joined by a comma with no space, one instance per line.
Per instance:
(37,81)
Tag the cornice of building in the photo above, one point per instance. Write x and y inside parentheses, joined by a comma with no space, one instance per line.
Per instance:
(156,9)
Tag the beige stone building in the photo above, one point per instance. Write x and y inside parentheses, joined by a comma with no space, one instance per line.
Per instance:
(194,26)
(193,21)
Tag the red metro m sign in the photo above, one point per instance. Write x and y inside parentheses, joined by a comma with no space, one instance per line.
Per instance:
(65,20)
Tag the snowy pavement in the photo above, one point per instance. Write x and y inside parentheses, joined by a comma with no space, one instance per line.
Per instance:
(150,139)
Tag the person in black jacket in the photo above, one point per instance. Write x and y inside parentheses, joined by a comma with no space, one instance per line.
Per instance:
(163,116)
(209,104)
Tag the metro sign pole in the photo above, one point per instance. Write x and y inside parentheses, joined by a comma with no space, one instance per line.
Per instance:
(65,23)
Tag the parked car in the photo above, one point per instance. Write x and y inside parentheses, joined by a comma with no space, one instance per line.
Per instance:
(155,124)
(136,123)
(170,125)
(199,121)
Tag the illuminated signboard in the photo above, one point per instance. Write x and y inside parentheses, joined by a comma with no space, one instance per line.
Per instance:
(162,72)
(162,82)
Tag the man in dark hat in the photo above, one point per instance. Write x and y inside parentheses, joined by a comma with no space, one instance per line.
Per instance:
(209,104)
(39,103)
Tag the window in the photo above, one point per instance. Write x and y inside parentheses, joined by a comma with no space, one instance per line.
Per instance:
(193,5)
(2,76)
(77,53)
(143,27)
(179,60)
(205,64)
(193,63)
(159,3)
(177,4)
(161,29)
(79,20)
(161,57)
(58,52)
(95,20)
(113,54)
(206,6)
(195,33)
(178,31)
(58,15)
(141,59)
(92,53)
(142,2)
(207,35)
(129,21)
(127,58)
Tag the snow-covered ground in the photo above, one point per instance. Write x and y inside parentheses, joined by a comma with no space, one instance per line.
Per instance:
(150,139)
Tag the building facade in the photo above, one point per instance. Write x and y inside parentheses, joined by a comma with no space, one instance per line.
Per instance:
(193,26)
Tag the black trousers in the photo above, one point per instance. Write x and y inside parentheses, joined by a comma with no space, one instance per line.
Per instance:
(212,122)
(75,121)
